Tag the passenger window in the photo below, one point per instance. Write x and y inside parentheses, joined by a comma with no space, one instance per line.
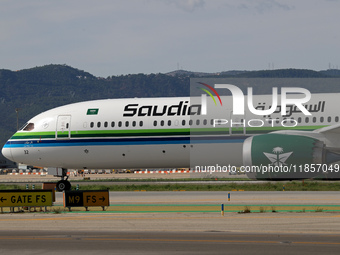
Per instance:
(106,124)
(155,123)
(119,123)
(321,119)
(183,122)
(336,119)
(133,123)
(329,119)
(126,123)
(92,124)
(98,124)
(314,119)
(141,123)
(169,122)
(205,122)
(307,120)
(162,123)
(112,124)
(197,122)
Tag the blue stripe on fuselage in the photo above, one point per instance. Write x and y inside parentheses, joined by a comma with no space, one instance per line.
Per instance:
(125,141)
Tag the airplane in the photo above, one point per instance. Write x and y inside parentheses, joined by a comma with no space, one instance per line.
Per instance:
(177,132)
(7,164)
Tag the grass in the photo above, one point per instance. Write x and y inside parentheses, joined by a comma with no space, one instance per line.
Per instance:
(319,209)
(246,210)
(58,210)
(11,186)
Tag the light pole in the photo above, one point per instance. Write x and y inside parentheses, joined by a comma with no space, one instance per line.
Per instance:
(17,111)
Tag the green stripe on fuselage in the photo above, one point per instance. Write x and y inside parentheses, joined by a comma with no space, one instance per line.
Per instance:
(160,132)
(33,135)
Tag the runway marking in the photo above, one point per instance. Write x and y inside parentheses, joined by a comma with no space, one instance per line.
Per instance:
(153,217)
(177,240)
(39,238)
(33,238)
(205,208)
(206,241)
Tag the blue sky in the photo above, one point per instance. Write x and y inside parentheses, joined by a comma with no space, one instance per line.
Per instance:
(114,37)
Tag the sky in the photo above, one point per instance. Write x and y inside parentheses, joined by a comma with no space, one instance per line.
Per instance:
(119,37)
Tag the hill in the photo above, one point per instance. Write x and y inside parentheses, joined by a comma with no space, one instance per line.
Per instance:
(28,92)
(38,89)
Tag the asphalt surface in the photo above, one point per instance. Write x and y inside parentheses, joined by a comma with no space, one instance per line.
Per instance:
(174,233)
(49,242)
(179,232)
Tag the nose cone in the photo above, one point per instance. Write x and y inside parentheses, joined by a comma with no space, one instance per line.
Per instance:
(6,151)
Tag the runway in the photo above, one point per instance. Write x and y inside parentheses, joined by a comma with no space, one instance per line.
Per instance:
(165,243)
(178,232)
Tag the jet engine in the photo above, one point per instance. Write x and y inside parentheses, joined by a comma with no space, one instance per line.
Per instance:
(288,157)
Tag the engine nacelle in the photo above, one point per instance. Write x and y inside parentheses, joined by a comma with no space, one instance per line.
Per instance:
(286,157)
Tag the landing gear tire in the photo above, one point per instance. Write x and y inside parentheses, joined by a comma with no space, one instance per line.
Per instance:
(63,185)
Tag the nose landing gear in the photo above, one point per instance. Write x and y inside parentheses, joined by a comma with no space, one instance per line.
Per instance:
(63,184)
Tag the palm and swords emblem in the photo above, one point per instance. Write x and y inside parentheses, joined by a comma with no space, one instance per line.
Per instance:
(278,158)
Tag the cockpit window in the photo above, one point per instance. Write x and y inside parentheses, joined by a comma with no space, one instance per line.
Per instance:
(29,127)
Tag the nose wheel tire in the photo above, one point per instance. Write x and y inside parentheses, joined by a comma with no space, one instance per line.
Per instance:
(63,185)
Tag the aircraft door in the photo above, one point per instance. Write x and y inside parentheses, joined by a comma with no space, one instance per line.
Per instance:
(63,127)
(237,124)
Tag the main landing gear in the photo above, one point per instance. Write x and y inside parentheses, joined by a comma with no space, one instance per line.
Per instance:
(63,184)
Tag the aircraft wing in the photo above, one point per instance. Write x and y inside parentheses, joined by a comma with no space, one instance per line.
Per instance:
(334,129)
(332,133)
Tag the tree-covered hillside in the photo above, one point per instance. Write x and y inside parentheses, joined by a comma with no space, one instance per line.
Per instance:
(35,90)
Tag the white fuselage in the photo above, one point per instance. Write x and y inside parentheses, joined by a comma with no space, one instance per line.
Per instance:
(154,132)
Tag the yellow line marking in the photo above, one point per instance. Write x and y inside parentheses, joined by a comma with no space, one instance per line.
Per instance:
(160,240)
(153,217)
(33,238)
